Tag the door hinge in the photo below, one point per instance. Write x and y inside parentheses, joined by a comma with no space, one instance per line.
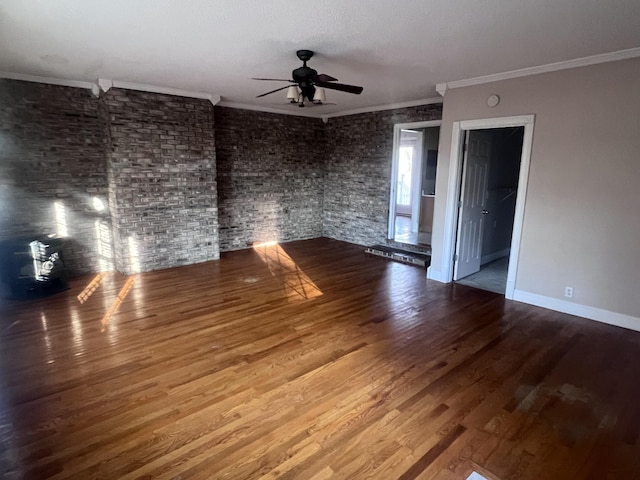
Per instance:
(455,257)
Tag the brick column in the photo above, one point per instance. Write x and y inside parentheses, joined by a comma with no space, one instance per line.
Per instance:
(162,180)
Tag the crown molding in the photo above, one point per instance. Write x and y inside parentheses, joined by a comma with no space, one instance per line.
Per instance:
(49,80)
(378,108)
(550,67)
(326,116)
(298,112)
(143,87)
(104,84)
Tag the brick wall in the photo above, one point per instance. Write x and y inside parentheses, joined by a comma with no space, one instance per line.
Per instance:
(270,177)
(52,164)
(176,189)
(358,172)
(149,158)
(162,178)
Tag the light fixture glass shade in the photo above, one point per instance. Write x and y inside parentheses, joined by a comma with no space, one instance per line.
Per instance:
(320,95)
(293,94)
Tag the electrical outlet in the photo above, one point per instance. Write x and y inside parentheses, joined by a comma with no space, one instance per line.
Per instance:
(568,292)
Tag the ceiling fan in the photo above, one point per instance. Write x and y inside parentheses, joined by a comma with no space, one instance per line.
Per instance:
(306,79)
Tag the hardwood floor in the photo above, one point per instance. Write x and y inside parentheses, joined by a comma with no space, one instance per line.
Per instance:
(310,360)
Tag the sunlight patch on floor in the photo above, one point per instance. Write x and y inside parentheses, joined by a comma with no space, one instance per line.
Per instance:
(90,288)
(297,285)
(124,291)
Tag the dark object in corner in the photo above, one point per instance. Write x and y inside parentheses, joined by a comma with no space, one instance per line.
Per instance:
(32,267)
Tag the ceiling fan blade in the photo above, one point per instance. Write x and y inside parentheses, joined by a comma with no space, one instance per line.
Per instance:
(273,91)
(341,87)
(323,77)
(273,79)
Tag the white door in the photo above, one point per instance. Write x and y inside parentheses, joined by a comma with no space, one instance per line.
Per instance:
(473,198)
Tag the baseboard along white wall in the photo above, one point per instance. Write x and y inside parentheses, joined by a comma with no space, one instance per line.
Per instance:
(585,311)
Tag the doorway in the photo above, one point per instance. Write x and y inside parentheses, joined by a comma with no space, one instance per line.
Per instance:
(412,188)
(449,255)
(490,172)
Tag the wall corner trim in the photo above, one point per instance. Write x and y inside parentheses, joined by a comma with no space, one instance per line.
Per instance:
(441,88)
(105,84)
(550,67)
(436,275)
(585,311)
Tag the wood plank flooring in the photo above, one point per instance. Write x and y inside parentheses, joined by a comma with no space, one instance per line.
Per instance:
(310,360)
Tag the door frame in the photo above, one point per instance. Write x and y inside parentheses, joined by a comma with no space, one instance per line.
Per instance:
(453,191)
(416,182)
(397,128)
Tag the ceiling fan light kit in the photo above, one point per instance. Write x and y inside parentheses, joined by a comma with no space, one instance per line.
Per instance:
(320,95)
(309,84)
(293,94)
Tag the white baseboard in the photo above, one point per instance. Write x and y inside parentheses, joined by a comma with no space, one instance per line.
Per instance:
(495,256)
(592,313)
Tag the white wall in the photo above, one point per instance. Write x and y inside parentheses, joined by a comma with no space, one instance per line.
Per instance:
(582,216)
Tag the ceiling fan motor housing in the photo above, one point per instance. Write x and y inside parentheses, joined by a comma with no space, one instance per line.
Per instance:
(302,75)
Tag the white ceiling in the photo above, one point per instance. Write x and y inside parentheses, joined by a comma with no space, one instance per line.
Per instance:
(397,50)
